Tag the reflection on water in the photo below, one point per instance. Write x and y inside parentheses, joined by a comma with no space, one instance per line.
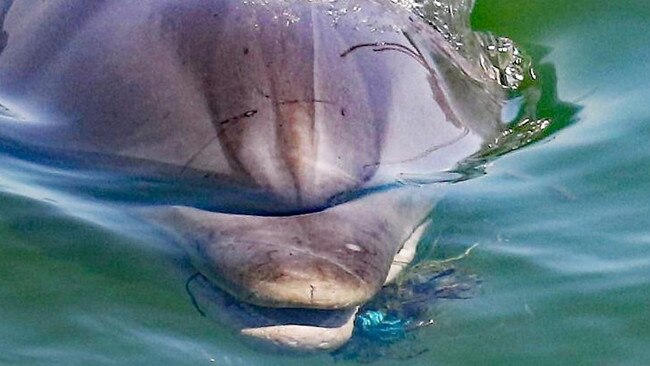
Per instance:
(563,254)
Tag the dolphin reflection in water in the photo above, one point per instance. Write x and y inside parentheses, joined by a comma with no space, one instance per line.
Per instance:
(299,116)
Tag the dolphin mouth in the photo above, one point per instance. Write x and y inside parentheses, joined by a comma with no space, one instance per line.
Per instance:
(297,281)
(299,329)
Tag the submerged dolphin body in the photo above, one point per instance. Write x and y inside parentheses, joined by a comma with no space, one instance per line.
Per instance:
(299,116)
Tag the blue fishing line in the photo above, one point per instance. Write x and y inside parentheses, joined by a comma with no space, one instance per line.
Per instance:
(381,327)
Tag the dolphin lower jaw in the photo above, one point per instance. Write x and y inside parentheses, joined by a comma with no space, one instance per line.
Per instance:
(305,337)
(293,329)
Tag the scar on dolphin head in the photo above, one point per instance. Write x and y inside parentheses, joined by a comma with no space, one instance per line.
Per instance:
(418,56)
(293,101)
(236,118)
(388,46)
(218,126)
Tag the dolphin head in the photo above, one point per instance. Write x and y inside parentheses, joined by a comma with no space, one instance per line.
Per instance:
(307,106)
(322,115)
(314,108)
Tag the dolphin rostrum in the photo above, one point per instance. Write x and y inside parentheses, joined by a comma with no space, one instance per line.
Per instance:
(298,116)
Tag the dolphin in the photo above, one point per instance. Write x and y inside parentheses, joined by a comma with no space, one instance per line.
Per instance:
(297,119)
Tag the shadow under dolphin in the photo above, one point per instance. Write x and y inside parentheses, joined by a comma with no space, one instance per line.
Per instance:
(296,117)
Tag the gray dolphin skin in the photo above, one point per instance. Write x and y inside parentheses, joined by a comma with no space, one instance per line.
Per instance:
(300,116)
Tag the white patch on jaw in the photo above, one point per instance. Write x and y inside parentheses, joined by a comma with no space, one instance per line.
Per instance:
(405,255)
(353,247)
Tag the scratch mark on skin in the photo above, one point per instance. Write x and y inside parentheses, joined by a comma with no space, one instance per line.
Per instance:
(189,292)
(296,101)
(236,118)
(417,55)
(196,154)
(388,46)
(423,154)
(217,129)
(311,293)
(438,92)
(4,37)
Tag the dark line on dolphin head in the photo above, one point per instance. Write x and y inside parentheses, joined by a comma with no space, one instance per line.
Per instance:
(218,130)
(426,152)
(197,153)
(418,56)
(296,101)
(391,46)
(437,91)
(4,36)
(238,117)
(293,101)
(189,292)
(386,46)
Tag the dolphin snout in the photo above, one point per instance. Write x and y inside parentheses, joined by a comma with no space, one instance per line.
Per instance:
(331,259)
(304,261)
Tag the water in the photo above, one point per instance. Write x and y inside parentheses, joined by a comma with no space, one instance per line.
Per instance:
(563,241)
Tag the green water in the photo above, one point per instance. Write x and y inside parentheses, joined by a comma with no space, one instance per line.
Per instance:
(562,228)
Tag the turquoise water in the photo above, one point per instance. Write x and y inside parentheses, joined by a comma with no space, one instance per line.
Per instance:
(563,241)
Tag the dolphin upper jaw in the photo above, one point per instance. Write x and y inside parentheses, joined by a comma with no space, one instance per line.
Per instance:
(285,278)
(305,337)
(325,285)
